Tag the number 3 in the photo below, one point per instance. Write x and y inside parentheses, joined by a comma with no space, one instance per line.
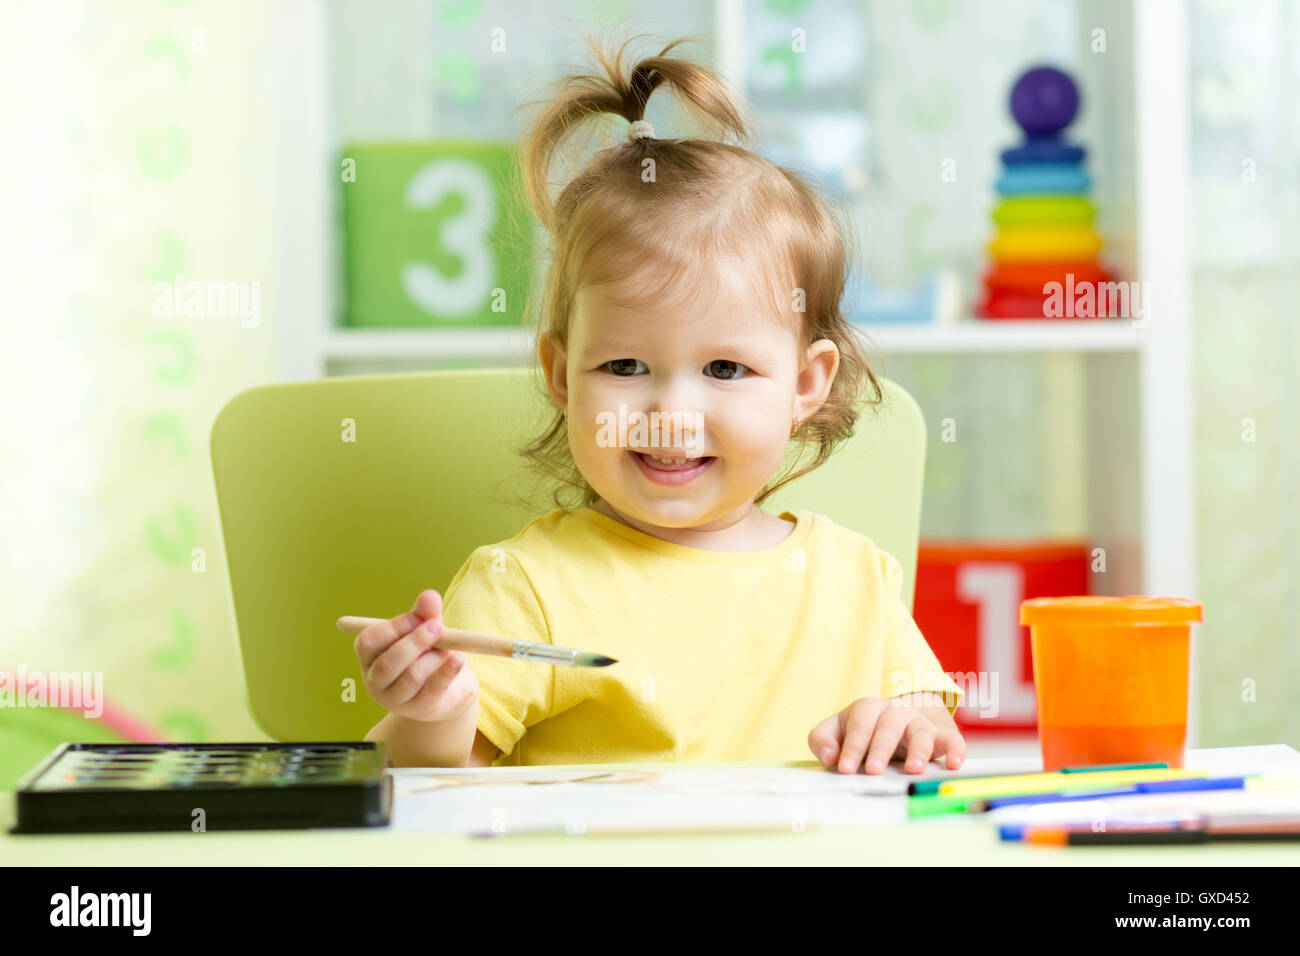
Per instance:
(466,235)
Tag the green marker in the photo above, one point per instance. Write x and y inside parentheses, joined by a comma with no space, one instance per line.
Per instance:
(1116,766)
(929,806)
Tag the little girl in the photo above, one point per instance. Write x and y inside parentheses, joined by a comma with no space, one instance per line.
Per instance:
(693,282)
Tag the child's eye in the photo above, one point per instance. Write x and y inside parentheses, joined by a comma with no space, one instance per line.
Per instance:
(620,366)
(725,369)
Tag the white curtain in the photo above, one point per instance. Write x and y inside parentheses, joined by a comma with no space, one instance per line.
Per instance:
(134,146)
(1246,244)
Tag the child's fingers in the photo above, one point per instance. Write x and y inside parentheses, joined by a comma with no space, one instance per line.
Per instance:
(413,680)
(919,738)
(428,604)
(884,741)
(824,740)
(388,667)
(862,717)
(376,639)
(443,675)
(951,744)
(379,637)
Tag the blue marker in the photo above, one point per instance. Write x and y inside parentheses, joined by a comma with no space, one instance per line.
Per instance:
(1185,785)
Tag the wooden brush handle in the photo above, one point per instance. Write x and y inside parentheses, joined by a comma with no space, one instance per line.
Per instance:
(452,639)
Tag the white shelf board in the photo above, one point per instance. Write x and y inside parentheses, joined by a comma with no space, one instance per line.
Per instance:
(1101,335)
(487,343)
(976,335)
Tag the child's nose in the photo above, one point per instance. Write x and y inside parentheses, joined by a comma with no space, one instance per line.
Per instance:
(676,410)
(675,395)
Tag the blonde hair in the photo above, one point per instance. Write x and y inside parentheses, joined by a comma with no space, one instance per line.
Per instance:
(706,198)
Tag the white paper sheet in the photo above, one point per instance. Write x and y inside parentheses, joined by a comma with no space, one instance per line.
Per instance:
(493,800)
(508,799)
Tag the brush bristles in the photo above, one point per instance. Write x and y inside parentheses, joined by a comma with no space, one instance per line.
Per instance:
(594,660)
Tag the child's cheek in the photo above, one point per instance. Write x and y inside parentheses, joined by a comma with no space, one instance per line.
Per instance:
(760,431)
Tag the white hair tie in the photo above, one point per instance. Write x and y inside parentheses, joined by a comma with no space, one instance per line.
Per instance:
(639,129)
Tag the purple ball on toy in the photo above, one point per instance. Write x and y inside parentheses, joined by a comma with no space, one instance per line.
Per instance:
(1044,101)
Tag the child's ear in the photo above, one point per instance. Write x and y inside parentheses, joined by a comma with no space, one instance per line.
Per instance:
(554,369)
(821,362)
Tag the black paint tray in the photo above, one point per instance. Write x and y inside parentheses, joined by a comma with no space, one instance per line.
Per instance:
(98,788)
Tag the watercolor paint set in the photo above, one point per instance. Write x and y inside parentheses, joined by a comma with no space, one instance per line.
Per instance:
(96,788)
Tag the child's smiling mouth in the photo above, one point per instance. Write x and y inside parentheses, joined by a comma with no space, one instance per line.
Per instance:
(671,469)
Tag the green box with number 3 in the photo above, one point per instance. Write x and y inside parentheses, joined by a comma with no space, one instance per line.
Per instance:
(434,235)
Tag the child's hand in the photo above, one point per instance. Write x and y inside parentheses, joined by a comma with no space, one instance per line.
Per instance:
(917,726)
(406,674)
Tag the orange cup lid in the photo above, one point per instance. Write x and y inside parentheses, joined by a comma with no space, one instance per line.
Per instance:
(1132,609)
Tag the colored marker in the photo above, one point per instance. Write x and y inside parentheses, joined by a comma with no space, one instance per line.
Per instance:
(1171,820)
(922,787)
(1103,767)
(932,806)
(1043,836)
(1251,783)
(940,804)
(1043,788)
(1051,783)
(1151,786)
(1258,830)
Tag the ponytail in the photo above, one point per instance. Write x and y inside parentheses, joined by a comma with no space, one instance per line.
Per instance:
(622,92)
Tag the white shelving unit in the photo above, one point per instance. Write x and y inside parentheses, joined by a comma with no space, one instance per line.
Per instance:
(1136,379)
(510,345)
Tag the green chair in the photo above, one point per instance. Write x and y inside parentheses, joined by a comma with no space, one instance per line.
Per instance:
(351,495)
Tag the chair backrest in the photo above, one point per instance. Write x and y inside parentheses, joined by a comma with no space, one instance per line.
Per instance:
(350,495)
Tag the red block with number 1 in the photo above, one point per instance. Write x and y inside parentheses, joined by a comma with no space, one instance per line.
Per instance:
(967,605)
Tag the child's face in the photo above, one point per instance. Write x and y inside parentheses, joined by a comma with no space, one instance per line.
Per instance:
(729,360)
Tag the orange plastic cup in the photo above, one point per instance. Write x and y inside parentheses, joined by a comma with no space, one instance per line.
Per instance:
(1110,674)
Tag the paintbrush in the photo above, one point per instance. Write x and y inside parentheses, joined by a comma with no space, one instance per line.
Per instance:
(471,642)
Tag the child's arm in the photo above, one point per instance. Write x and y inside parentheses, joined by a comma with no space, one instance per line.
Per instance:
(432,743)
(484,752)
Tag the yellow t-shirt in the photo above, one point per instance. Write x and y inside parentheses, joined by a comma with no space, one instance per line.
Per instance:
(721,655)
